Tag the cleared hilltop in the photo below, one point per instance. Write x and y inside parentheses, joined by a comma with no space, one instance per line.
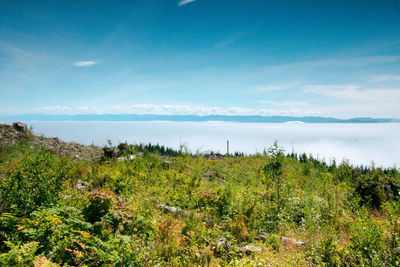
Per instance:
(18,133)
(64,204)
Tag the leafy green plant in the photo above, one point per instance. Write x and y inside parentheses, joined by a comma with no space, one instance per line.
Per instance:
(326,253)
(33,180)
(367,247)
(19,255)
(274,170)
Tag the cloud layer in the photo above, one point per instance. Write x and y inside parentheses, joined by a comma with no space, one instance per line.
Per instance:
(160,110)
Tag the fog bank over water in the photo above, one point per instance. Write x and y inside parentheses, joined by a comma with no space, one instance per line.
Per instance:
(360,143)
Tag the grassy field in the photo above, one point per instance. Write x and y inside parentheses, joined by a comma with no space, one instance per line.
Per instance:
(269,209)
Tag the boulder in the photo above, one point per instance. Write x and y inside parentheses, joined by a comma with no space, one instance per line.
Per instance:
(20,127)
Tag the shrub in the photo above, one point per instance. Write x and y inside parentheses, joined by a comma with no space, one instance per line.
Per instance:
(238,228)
(326,253)
(32,181)
(273,171)
(371,188)
(19,255)
(100,204)
(367,247)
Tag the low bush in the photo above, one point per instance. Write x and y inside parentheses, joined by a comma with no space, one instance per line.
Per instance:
(32,180)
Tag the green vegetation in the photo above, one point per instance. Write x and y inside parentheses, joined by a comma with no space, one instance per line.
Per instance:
(194,210)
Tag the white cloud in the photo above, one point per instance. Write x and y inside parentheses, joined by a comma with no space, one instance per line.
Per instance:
(84,63)
(385,78)
(351,102)
(183,110)
(336,62)
(167,110)
(66,110)
(353,92)
(184,2)
(355,102)
(286,103)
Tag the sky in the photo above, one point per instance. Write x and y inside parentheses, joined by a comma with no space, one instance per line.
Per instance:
(257,57)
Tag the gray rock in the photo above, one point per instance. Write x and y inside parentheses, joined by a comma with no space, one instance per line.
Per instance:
(284,240)
(20,127)
(251,249)
(173,210)
(222,244)
(263,236)
(291,241)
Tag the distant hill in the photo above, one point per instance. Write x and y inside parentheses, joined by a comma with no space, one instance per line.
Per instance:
(152,117)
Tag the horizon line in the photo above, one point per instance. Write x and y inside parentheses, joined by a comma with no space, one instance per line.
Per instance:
(192,117)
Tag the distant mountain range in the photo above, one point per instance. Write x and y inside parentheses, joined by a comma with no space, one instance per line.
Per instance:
(152,117)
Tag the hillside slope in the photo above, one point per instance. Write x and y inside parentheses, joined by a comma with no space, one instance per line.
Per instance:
(151,209)
(12,135)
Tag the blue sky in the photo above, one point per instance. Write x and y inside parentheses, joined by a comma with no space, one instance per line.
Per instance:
(323,58)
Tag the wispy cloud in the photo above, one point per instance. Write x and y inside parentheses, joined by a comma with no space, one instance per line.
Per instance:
(273,87)
(18,57)
(85,63)
(386,78)
(353,92)
(67,110)
(336,62)
(184,2)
